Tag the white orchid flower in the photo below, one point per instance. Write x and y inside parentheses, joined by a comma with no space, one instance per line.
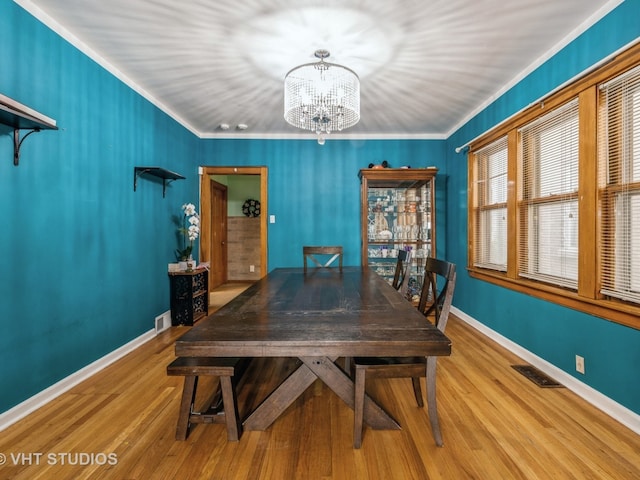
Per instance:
(190,229)
(189,209)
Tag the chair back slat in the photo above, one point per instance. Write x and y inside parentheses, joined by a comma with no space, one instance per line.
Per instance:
(438,301)
(313,253)
(401,274)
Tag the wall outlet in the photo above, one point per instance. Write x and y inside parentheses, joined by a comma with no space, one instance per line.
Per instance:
(252,268)
(579,364)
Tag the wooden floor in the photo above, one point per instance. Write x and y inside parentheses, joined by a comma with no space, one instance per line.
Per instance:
(226,292)
(120,424)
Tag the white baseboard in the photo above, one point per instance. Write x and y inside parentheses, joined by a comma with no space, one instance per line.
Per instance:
(31,404)
(619,412)
(622,414)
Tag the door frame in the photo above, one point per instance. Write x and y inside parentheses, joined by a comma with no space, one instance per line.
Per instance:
(205,208)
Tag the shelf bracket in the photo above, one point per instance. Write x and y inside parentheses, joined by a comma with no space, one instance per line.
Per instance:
(17,143)
(136,173)
(164,185)
(20,117)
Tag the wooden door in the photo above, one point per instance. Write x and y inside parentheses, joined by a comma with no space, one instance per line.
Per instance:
(218,244)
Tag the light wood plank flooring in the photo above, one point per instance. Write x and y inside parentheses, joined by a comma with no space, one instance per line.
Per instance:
(496,425)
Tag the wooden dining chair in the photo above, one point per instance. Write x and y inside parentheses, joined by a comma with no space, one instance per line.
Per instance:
(316,253)
(433,300)
(401,273)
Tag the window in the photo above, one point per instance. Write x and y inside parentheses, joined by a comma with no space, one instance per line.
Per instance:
(619,179)
(549,204)
(554,196)
(491,206)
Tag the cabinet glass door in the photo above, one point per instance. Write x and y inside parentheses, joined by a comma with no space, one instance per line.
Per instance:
(398,215)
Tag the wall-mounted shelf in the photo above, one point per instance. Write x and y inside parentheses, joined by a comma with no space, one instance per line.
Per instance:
(159,172)
(20,117)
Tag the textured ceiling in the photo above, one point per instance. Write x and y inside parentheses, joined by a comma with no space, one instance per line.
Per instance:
(425,66)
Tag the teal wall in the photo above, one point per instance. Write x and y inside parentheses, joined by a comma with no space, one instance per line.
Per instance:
(557,334)
(314,190)
(85,257)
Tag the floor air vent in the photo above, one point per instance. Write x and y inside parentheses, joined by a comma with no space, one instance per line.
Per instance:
(536,376)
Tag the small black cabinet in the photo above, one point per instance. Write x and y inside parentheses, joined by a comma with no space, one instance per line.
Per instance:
(189,296)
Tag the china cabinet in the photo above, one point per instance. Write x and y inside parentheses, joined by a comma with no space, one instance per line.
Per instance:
(398,213)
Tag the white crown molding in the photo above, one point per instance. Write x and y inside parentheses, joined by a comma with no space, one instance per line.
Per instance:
(42,16)
(541,99)
(328,138)
(588,23)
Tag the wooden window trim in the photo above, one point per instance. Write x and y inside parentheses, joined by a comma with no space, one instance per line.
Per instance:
(587,298)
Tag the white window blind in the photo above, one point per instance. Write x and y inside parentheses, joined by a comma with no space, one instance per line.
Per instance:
(619,180)
(490,216)
(548,238)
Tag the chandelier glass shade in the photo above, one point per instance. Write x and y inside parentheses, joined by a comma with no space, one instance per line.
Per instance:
(322,97)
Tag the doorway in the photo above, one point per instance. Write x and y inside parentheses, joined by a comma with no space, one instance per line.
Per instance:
(215,248)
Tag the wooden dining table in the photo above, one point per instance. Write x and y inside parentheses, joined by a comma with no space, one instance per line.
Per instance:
(318,317)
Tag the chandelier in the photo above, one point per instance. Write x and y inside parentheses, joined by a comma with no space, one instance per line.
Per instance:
(322,97)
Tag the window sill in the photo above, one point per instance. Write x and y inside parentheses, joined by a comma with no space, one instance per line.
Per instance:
(613,311)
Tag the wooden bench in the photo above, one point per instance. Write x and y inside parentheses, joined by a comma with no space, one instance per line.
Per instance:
(223,406)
